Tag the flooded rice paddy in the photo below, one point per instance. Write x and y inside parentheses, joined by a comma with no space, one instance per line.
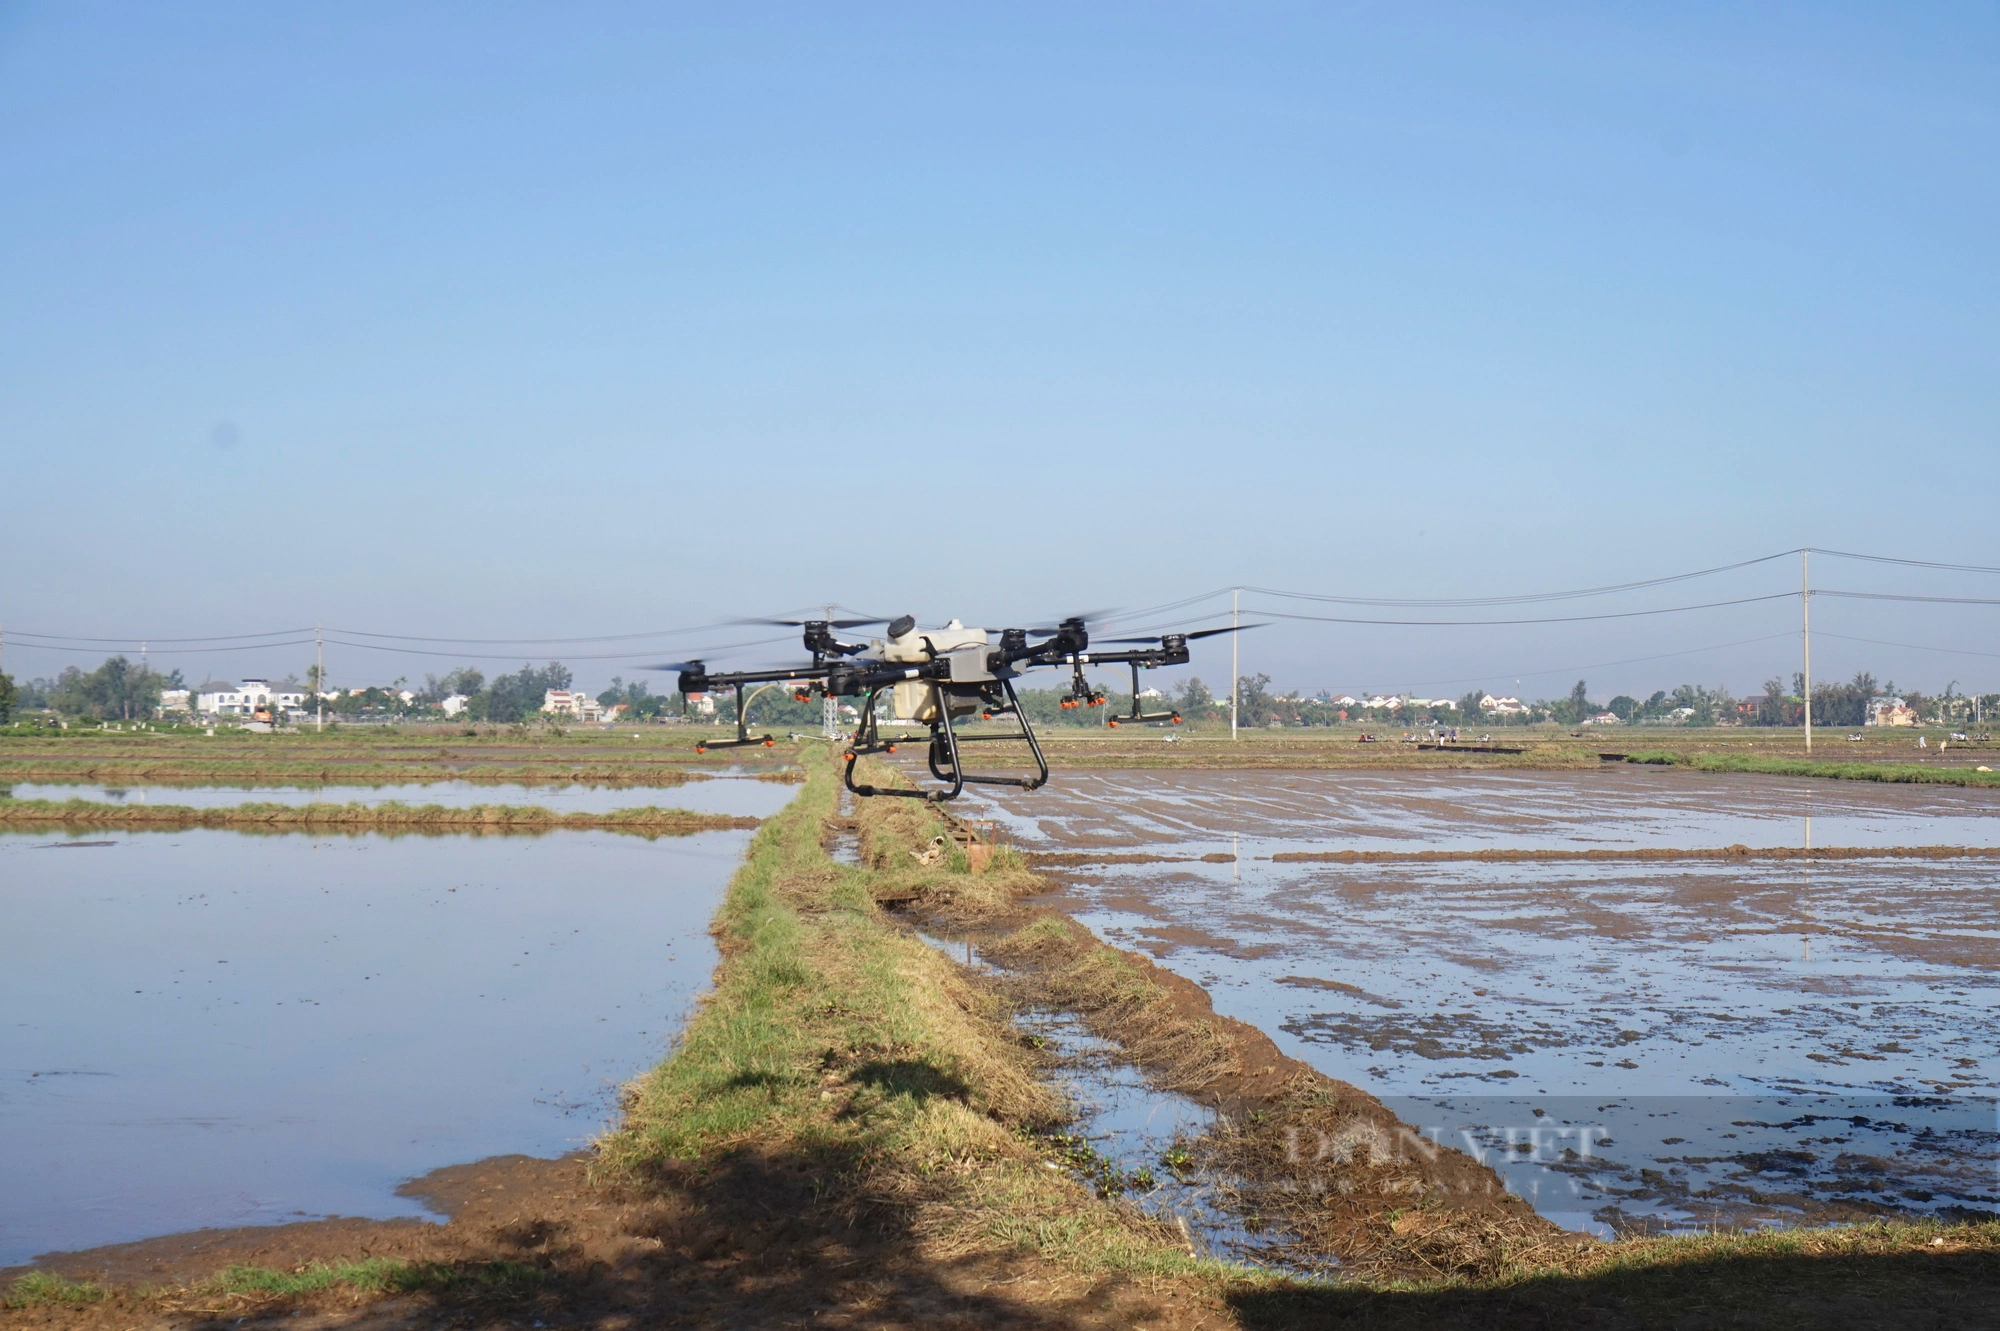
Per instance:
(734,796)
(203,1028)
(1618,806)
(1654,1045)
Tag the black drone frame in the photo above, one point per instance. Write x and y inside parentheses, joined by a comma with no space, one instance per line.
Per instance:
(973,680)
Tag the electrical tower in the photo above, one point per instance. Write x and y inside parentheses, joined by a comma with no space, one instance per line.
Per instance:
(829,707)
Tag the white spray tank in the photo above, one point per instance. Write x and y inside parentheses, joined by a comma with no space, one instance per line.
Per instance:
(916,699)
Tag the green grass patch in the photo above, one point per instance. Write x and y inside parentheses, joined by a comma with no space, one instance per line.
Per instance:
(379,1275)
(1910,773)
(44,1288)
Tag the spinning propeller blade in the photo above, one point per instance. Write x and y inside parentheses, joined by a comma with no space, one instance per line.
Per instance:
(1203,633)
(1087,618)
(801,623)
(672,665)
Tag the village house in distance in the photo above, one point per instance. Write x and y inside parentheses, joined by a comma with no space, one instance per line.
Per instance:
(247,699)
(577,705)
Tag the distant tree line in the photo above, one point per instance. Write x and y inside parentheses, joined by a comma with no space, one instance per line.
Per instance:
(503,700)
(117,690)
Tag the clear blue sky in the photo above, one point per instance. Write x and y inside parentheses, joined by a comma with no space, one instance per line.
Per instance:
(508,321)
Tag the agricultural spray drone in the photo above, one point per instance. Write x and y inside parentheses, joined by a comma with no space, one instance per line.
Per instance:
(937,678)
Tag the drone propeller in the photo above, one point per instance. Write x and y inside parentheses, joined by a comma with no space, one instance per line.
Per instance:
(1086,618)
(801,623)
(1190,637)
(682,666)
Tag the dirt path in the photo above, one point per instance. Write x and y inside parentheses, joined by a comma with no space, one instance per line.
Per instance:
(742,1242)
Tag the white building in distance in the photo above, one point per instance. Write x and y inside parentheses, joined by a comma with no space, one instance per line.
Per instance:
(564,702)
(247,697)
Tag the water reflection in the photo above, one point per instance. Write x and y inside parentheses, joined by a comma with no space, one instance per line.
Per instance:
(204,1028)
(736,796)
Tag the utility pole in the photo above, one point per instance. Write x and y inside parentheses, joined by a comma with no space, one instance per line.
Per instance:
(1805,632)
(319,680)
(829,707)
(1235,686)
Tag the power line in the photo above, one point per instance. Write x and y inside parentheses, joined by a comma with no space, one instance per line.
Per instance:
(1910,563)
(1912,646)
(423,644)
(544,642)
(1521,599)
(147,638)
(1904,596)
(1164,608)
(1558,619)
(1600,665)
(398,651)
(573,656)
(255,646)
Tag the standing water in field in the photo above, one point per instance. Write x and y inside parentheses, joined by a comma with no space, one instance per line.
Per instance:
(1635,1046)
(203,1028)
(740,796)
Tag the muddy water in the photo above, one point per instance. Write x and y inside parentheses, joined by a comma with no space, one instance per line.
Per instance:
(742,796)
(1639,1046)
(209,1029)
(1127,1137)
(1616,807)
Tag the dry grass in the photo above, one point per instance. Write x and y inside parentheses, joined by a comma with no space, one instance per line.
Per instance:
(649,756)
(1344,1177)
(1067,968)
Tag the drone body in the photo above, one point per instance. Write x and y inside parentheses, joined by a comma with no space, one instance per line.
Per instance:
(936,678)
(963,648)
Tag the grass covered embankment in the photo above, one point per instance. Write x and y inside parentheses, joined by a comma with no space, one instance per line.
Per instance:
(1543,747)
(386,817)
(381,755)
(837,1046)
(1893,772)
(362,771)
